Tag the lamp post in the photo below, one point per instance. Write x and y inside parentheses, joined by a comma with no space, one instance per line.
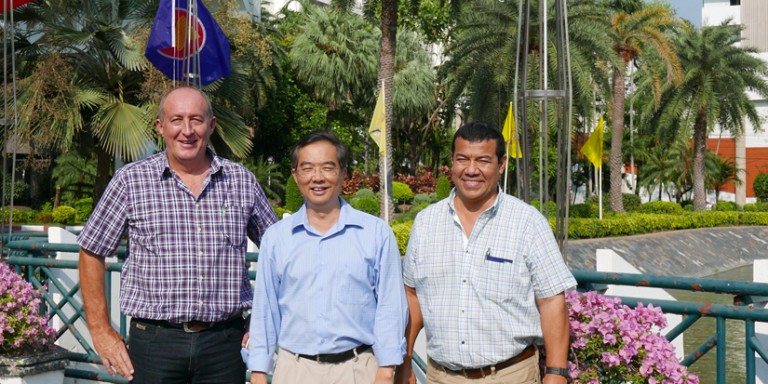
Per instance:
(270,160)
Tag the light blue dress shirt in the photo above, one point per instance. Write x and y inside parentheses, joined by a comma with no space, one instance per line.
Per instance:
(329,293)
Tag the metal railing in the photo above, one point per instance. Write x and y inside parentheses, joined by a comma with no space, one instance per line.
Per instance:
(37,265)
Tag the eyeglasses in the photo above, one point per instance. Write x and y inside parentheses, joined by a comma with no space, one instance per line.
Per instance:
(326,171)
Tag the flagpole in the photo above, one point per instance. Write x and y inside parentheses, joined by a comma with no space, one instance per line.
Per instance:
(386,154)
(600,191)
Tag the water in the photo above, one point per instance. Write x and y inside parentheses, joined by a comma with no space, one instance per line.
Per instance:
(704,328)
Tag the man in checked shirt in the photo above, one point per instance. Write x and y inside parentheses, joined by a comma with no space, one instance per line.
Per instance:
(484,277)
(185,283)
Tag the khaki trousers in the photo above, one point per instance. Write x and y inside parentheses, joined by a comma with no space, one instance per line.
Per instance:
(291,369)
(524,372)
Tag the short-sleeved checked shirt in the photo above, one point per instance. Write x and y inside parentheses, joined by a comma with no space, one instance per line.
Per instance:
(187,254)
(478,301)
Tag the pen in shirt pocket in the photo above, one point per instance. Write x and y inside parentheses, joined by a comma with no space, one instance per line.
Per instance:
(489,257)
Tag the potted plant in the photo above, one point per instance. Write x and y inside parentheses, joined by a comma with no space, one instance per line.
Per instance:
(27,352)
(612,343)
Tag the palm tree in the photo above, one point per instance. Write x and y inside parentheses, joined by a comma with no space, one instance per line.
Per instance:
(635,29)
(719,73)
(723,171)
(269,176)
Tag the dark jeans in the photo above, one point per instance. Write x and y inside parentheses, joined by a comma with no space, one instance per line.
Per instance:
(162,355)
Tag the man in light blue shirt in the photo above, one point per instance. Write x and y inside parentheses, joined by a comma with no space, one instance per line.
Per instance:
(329,288)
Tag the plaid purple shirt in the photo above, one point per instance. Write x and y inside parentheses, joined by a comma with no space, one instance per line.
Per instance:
(187,255)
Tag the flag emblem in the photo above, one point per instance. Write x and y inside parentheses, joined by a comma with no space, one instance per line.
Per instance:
(196,37)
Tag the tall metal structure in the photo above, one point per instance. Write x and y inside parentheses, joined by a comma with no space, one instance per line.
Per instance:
(547,95)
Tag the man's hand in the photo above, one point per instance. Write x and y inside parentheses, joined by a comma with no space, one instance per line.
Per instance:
(111,347)
(258,378)
(384,375)
(404,373)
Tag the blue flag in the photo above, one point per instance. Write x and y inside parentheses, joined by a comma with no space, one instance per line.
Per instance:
(189,46)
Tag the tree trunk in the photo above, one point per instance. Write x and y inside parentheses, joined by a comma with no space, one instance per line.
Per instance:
(617,133)
(386,74)
(103,166)
(699,150)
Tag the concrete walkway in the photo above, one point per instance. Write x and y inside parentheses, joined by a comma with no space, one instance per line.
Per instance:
(691,253)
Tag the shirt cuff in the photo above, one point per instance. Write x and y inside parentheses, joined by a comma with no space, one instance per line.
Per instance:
(260,363)
(388,356)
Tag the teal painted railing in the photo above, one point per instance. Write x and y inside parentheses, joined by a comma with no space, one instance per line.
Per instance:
(34,259)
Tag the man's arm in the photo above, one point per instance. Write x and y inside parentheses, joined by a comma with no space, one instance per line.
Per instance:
(404,373)
(107,341)
(554,326)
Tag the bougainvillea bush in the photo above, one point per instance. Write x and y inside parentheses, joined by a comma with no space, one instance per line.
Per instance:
(613,343)
(22,329)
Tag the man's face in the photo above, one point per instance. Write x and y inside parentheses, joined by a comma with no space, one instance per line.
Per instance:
(318,175)
(475,170)
(186,127)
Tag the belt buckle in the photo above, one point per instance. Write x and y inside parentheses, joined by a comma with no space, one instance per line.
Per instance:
(194,327)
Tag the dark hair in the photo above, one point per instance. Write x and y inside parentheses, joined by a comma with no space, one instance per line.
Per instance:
(314,137)
(161,106)
(480,131)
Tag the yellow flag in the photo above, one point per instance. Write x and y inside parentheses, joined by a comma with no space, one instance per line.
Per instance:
(593,147)
(378,128)
(509,134)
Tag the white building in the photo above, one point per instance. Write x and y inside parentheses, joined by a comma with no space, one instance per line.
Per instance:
(750,151)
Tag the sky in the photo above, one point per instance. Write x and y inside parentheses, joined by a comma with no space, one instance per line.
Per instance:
(688,9)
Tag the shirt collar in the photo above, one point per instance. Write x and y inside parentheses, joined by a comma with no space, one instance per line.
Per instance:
(492,209)
(347,216)
(164,168)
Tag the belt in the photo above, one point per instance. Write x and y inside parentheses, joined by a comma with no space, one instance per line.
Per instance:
(191,326)
(477,373)
(335,358)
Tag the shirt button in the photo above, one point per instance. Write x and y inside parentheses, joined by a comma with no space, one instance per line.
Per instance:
(199,229)
(464,281)
(200,302)
(462,342)
(203,278)
(199,253)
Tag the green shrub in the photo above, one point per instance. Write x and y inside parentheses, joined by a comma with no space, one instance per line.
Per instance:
(43,217)
(361,194)
(410,214)
(551,206)
(401,192)
(662,207)
(47,207)
(725,206)
(293,197)
(631,202)
(84,207)
(584,211)
(756,207)
(20,193)
(64,214)
(19,215)
(368,205)
(365,192)
(422,198)
(280,211)
(443,187)
(760,186)
(402,233)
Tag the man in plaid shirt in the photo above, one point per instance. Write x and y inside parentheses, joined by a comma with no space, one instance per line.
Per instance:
(185,282)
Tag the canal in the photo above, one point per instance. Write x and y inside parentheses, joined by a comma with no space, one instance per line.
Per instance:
(704,328)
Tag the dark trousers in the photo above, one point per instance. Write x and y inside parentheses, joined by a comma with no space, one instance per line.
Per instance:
(164,355)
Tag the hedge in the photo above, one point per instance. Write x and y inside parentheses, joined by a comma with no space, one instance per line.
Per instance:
(634,224)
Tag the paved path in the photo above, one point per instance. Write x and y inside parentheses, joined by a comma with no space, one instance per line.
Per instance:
(693,252)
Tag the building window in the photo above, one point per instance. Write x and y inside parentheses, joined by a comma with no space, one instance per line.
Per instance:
(735,2)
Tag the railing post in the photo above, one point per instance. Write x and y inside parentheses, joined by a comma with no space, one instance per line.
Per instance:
(749,331)
(720,350)
(760,329)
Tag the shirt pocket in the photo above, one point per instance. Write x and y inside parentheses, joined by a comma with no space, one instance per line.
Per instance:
(495,277)
(357,285)
(235,224)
